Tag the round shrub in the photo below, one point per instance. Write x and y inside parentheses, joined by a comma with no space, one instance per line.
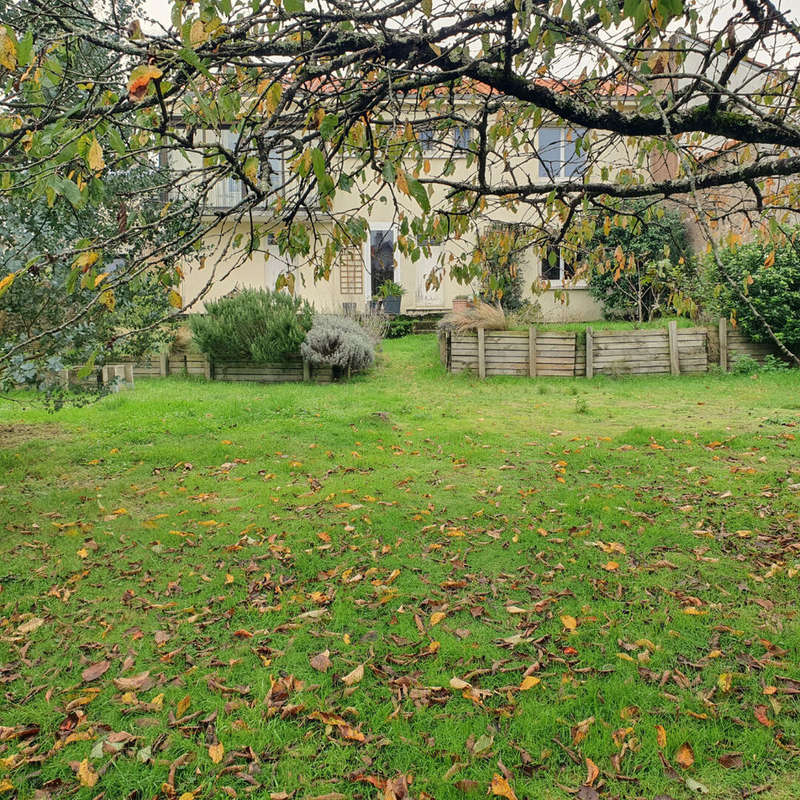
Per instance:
(255,325)
(338,342)
(772,286)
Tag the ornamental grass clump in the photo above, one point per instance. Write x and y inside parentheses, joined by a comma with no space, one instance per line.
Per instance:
(478,315)
(338,342)
(255,325)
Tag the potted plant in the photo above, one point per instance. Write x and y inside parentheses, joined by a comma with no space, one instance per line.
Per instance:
(460,302)
(390,293)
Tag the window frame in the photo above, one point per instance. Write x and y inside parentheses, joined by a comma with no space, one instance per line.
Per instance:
(571,164)
(563,280)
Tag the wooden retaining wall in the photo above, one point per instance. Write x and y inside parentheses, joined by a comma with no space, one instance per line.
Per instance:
(649,351)
(198,365)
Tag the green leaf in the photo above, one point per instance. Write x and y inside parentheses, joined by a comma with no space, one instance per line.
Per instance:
(25,48)
(70,190)
(191,58)
(328,126)
(417,191)
(294,6)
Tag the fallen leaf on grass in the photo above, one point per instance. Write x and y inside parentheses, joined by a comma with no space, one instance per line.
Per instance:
(86,775)
(501,787)
(437,617)
(31,625)
(731,760)
(142,681)
(592,772)
(569,622)
(760,713)
(528,682)
(685,755)
(216,751)
(354,677)
(183,705)
(661,736)
(95,671)
(321,662)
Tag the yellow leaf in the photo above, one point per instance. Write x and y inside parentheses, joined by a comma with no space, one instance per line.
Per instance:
(611,566)
(8,51)
(85,260)
(86,775)
(140,80)
(5,283)
(402,182)
(528,682)
(216,751)
(175,300)
(107,299)
(197,33)
(94,158)
(501,787)
(229,578)
(661,736)
(437,617)
(725,682)
(569,622)
(99,279)
(183,705)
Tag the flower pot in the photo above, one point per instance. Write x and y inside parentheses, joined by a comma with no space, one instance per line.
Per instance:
(391,303)
(460,304)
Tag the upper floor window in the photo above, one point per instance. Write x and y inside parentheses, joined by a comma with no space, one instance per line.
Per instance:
(462,137)
(426,139)
(558,153)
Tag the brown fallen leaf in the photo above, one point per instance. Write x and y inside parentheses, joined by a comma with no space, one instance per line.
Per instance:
(397,789)
(142,681)
(95,671)
(31,625)
(183,705)
(760,713)
(731,760)
(661,736)
(592,772)
(437,617)
(501,787)
(685,755)
(215,752)
(569,622)
(321,662)
(354,677)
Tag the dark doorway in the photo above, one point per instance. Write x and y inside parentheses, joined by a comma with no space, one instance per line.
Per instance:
(381,258)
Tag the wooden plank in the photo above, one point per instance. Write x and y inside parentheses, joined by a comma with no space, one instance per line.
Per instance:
(723,344)
(306,370)
(674,363)
(531,352)
(481,353)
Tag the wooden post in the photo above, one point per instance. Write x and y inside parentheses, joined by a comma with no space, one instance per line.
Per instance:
(164,366)
(306,370)
(208,370)
(674,361)
(481,353)
(532,352)
(723,344)
(589,353)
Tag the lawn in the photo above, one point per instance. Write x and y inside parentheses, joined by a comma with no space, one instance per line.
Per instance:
(537,588)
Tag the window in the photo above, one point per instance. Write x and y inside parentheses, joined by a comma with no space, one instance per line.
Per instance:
(462,137)
(554,268)
(558,152)
(425,137)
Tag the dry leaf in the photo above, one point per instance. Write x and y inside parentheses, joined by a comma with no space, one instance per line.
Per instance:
(528,682)
(760,713)
(141,681)
(354,677)
(95,671)
(661,736)
(592,772)
(459,684)
(685,755)
(437,617)
(501,787)
(183,705)
(86,775)
(216,751)
(569,622)
(31,625)
(321,662)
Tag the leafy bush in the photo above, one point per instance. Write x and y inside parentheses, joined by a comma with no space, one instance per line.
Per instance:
(338,342)
(638,265)
(399,327)
(252,325)
(770,278)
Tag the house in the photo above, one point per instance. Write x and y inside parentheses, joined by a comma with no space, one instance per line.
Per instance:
(354,277)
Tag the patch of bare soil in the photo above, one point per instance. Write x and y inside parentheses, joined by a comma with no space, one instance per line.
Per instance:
(17,434)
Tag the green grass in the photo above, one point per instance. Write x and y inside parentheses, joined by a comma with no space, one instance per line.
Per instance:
(429,527)
(618,325)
